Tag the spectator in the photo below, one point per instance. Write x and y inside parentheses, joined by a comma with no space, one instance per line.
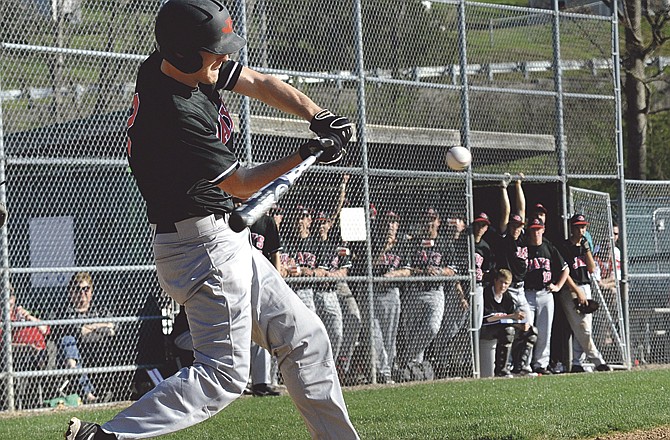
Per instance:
(29,343)
(502,315)
(29,350)
(547,272)
(81,344)
(577,252)
(388,262)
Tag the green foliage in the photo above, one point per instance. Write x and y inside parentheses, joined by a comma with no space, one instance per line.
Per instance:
(549,407)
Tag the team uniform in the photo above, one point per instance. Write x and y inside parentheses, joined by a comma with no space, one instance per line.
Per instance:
(545,263)
(265,238)
(386,312)
(512,254)
(484,264)
(580,323)
(325,292)
(180,148)
(301,253)
(423,305)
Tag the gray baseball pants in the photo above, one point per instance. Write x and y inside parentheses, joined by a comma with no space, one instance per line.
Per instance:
(581,328)
(541,316)
(232,295)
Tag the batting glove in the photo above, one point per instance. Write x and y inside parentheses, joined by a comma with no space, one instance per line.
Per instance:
(327,125)
(326,150)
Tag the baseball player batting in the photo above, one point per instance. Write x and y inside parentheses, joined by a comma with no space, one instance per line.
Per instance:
(180,149)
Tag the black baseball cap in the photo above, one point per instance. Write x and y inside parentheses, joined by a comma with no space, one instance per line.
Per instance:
(515,218)
(539,207)
(536,223)
(482,217)
(578,220)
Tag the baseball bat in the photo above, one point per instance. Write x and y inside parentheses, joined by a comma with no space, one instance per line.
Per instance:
(261,202)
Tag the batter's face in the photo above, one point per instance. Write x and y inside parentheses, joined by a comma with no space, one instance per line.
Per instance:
(211,63)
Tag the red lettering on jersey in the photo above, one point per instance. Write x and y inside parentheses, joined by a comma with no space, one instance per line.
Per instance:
(258,240)
(578,262)
(131,121)
(543,264)
(479,273)
(225,127)
(522,253)
(306,259)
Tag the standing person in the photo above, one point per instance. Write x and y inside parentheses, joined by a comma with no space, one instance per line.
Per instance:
(484,263)
(577,253)
(265,238)
(299,258)
(335,302)
(388,261)
(423,306)
(181,154)
(547,273)
(510,248)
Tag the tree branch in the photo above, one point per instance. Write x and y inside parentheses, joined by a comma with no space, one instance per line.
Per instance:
(660,110)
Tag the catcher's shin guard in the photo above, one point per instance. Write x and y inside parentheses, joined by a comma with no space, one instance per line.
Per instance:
(522,348)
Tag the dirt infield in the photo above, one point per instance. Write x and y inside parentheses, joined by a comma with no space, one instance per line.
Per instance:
(660,433)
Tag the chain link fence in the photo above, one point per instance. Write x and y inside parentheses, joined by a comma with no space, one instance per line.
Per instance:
(526,90)
(648,246)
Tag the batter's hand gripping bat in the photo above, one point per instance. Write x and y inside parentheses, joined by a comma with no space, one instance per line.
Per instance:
(262,201)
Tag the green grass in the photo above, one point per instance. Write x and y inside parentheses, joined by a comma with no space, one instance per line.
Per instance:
(549,407)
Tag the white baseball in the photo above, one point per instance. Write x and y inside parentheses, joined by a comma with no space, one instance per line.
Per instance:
(458,158)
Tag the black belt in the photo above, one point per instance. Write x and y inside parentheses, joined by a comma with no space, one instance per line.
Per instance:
(169,228)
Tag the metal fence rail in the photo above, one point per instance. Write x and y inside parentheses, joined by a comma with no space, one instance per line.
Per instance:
(537,97)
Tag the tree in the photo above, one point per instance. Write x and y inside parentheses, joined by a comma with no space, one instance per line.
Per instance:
(639,85)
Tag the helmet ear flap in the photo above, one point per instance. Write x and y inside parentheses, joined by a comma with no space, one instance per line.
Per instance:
(186,61)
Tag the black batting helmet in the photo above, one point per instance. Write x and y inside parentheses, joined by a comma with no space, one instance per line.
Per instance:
(184,27)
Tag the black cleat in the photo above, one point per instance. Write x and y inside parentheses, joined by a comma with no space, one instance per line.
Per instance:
(577,369)
(263,390)
(603,367)
(79,430)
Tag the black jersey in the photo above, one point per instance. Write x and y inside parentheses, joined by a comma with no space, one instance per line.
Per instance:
(507,305)
(303,251)
(575,256)
(265,237)
(484,261)
(544,265)
(512,254)
(180,143)
(432,253)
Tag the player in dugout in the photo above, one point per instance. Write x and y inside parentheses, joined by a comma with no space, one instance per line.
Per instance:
(180,149)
